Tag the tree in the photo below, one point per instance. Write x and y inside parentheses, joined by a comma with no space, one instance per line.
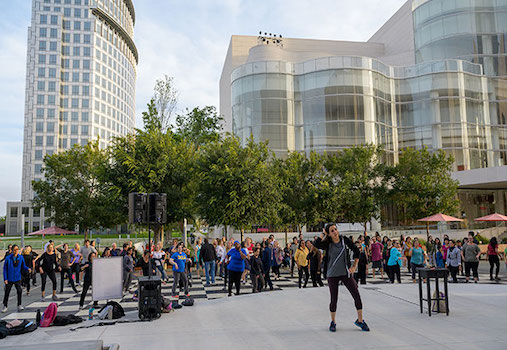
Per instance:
(236,185)
(199,125)
(299,179)
(75,190)
(165,100)
(154,161)
(360,177)
(423,185)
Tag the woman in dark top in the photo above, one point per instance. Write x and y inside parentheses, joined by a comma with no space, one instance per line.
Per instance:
(256,271)
(493,258)
(339,269)
(315,260)
(48,265)
(144,263)
(66,260)
(87,279)
(30,262)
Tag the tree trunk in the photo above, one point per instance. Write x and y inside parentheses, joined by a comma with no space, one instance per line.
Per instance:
(85,234)
(242,231)
(427,231)
(286,235)
(225,231)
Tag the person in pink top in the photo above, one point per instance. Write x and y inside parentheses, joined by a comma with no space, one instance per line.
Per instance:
(445,248)
(376,256)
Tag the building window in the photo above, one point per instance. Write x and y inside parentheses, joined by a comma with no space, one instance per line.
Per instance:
(53,33)
(52,58)
(85,103)
(38,168)
(87,26)
(77,13)
(42,59)
(84,116)
(50,127)
(66,12)
(86,77)
(25,211)
(43,19)
(65,50)
(86,39)
(40,99)
(41,73)
(39,127)
(52,72)
(50,141)
(74,129)
(51,100)
(75,103)
(54,19)
(38,154)
(86,64)
(51,113)
(74,116)
(43,32)
(36,214)
(39,140)
(75,77)
(77,38)
(14,212)
(77,25)
(76,51)
(42,45)
(53,47)
(52,86)
(40,113)
(41,85)
(86,52)
(66,25)
(75,64)
(84,130)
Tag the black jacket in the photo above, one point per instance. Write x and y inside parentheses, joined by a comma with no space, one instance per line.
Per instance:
(207,253)
(256,265)
(349,245)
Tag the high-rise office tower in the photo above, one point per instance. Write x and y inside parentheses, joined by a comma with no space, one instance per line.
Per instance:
(80,85)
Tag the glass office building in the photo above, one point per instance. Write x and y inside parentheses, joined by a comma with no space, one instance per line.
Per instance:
(434,75)
(80,86)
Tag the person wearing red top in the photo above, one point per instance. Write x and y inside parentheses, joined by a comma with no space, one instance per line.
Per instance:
(493,259)
(376,256)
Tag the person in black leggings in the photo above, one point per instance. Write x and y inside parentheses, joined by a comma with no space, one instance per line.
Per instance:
(339,269)
(48,266)
(493,259)
(87,279)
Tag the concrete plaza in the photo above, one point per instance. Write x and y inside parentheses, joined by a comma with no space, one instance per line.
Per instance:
(299,318)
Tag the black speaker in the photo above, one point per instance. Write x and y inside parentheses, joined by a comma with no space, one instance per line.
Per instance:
(137,208)
(157,208)
(150,297)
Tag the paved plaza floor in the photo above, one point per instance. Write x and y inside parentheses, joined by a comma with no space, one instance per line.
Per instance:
(298,319)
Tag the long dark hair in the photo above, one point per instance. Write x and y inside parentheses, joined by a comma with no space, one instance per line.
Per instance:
(493,242)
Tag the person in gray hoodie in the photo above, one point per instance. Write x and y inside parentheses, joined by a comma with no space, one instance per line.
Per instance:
(128,269)
(453,261)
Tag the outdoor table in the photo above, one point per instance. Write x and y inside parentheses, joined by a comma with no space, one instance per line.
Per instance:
(433,273)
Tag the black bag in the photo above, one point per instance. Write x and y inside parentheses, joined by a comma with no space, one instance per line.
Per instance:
(65,320)
(3,329)
(188,302)
(117,309)
(176,305)
(25,327)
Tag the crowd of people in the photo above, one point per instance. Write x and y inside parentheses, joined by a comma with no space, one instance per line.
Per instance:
(260,262)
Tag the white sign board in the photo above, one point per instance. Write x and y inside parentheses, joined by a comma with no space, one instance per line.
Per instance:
(107,278)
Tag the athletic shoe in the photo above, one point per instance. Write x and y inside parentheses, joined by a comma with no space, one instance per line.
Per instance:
(27,292)
(497,278)
(82,307)
(54,297)
(332,327)
(43,299)
(364,327)
(4,310)
(20,308)
(475,281)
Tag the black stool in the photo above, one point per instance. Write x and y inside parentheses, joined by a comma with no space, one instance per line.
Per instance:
(435,274)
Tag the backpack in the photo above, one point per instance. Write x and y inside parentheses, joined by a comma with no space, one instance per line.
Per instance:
(25,327)
(117,309)
(49,315)
(65,320)
(188,302)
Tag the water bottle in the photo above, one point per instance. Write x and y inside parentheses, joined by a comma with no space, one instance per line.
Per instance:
(90,313)
(38,317)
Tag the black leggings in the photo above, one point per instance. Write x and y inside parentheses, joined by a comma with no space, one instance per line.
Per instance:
(276,270)
(301,270)
(52,277)
(8,287)
(350,284)
(473,265)
(235,277)
(86,286)
(414,268)
(62,279)
(25,281)
(75,268)
(454,273)
(316,279)
(394,271)
(493,260)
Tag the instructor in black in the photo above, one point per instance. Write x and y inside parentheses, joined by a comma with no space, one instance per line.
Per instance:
(339,268)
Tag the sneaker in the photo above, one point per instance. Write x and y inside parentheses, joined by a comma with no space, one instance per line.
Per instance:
(497,279)
(82,307)
(43,298)
(364,327)
(54,297)
(27,292)
(475,281)
(332,327)
(20,308)
(4,310)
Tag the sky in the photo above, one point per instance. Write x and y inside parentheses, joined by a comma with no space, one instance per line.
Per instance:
(187,40)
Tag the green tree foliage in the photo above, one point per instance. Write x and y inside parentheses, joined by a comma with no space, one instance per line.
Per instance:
(359,183)
(423,185)
(199,125)
(300,181)
(75,190)
(236,185)
(154,161)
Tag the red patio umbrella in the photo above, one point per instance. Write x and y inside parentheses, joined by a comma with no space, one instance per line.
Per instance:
(437,218)
(492,217)
(53,230)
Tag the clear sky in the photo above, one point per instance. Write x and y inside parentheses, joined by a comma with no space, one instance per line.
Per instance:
(187,40)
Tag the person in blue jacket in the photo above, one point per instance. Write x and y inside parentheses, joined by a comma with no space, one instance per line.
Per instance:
(13,265)
(394,262)
(267,262)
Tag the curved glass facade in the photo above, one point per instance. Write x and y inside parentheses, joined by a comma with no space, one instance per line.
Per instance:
(336,102)
(472,30)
